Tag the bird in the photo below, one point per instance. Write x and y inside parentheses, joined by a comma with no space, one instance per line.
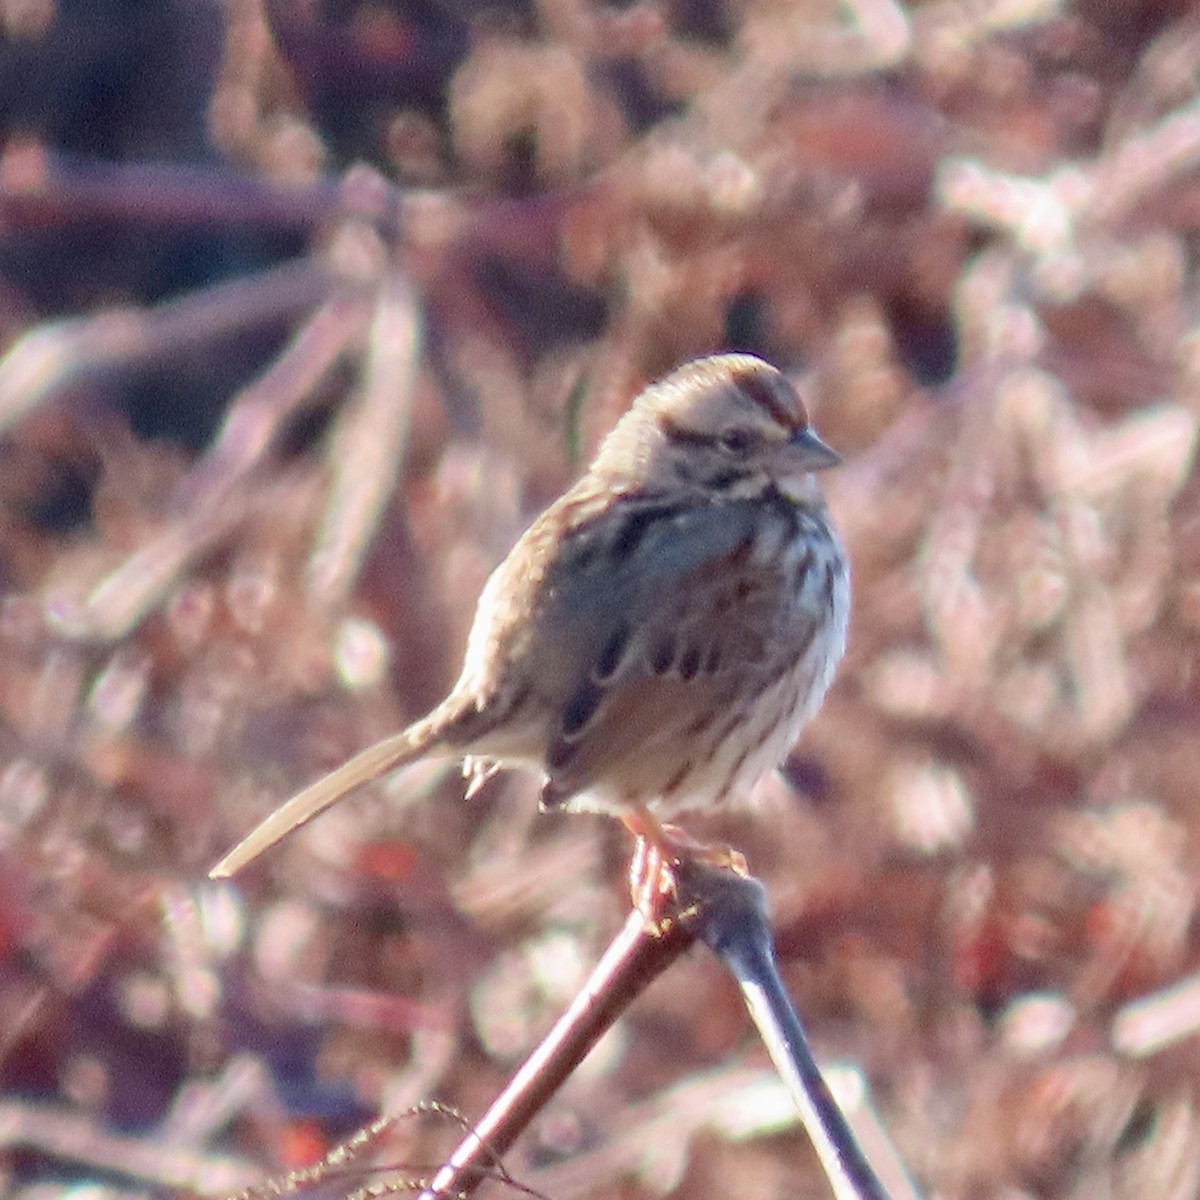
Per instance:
(657,638)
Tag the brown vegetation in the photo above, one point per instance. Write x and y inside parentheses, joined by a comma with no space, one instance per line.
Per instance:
(269,420)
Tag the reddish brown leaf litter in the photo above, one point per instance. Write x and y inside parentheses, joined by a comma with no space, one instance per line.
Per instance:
(268,421)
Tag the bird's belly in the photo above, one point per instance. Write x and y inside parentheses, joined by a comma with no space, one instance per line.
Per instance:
(675,767)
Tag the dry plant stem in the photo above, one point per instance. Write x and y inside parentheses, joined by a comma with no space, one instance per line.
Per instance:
(52,356)
(636,956)
(62,1133)
(369,447)
(260,410)
(35,183)
(210,497)
(730,917)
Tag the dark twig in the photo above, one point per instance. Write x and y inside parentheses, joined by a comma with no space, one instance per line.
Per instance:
(636,956)
(729,914)
(38,185)
(726,910)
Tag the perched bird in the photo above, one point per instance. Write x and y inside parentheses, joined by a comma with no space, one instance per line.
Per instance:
(658,637)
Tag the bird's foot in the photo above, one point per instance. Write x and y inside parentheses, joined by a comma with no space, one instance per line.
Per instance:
(660,850)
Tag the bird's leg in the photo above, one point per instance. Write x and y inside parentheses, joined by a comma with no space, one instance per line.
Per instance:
(651,878)
(659,851)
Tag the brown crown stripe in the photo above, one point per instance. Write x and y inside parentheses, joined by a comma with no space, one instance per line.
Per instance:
(765,392)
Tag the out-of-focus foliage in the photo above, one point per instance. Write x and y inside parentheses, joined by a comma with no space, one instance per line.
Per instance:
(268,422)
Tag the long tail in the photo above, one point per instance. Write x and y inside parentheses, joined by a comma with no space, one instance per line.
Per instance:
(367,765)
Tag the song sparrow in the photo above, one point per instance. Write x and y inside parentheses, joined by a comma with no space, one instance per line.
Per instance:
(657,638)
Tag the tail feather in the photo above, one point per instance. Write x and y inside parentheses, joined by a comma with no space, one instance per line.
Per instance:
(363,768)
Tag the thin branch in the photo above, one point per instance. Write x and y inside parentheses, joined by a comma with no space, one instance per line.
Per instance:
(730,916)
(52,356)
(368,449)
(37,185)
(636,956)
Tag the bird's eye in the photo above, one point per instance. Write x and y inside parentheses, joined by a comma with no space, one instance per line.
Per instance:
(738,441)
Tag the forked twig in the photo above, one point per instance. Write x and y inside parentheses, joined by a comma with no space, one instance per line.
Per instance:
(727,911)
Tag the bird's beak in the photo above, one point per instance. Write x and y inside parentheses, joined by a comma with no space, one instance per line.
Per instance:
(810,453)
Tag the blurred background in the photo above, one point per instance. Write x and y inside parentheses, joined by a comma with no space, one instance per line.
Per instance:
(307,306)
